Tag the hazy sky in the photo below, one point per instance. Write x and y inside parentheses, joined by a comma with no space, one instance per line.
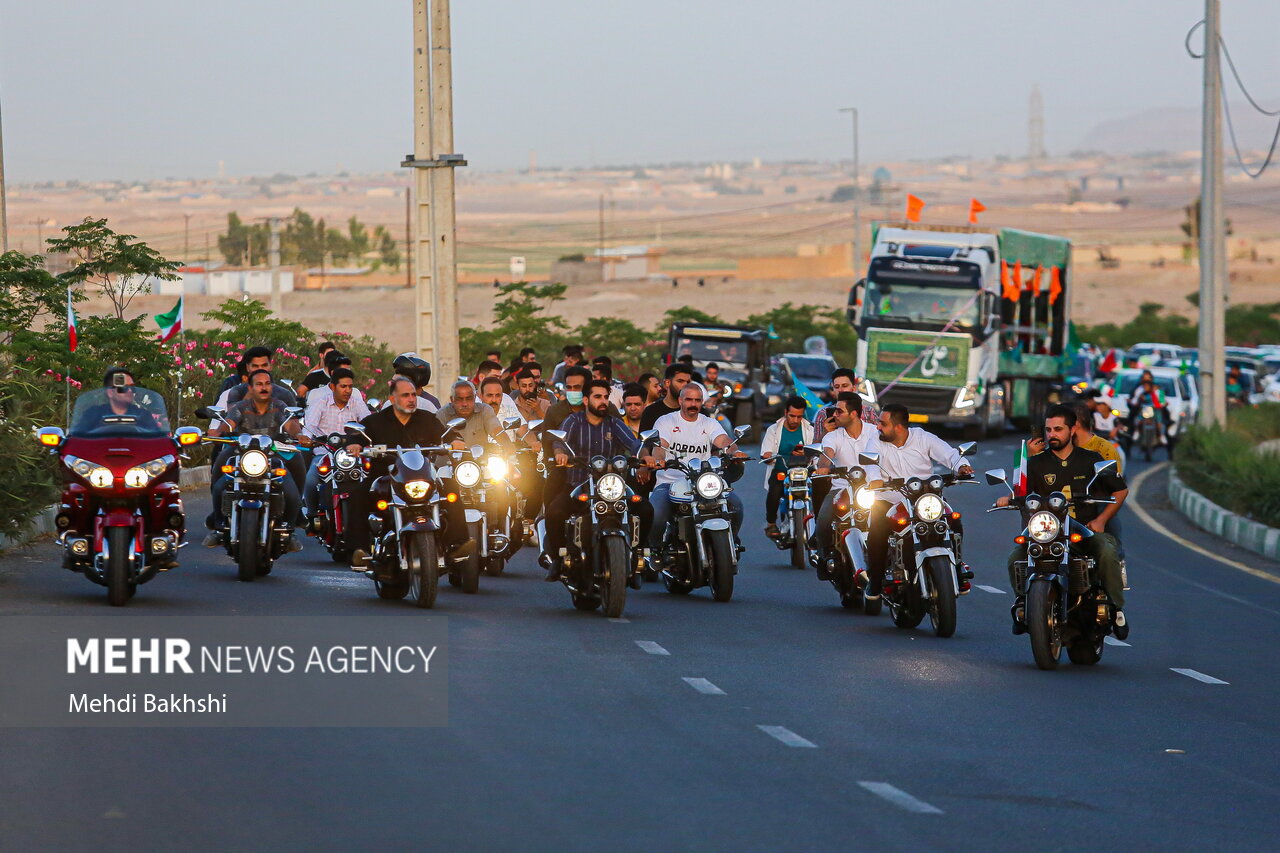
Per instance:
(153,88)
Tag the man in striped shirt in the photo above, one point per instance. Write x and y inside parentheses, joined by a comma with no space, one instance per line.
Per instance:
(590,432)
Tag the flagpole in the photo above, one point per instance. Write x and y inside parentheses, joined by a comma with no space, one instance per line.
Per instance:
(182,332)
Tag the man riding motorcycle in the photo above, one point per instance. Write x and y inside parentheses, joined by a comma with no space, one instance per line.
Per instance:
(1148,393)
(1069,469)
(327,417)
(849,437)
(589,433)
(259,414)
(402,424)
(905,452)
(685,435)
(783,443)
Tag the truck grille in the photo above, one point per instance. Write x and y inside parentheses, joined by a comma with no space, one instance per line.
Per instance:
(919,400)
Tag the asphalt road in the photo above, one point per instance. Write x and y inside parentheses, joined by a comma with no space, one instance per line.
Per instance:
(778,720)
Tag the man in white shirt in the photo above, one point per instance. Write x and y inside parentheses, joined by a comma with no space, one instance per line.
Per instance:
(841,448)
(328,415)
(685,435)
(905,452)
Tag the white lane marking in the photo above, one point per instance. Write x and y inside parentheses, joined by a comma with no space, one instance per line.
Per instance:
(651,647)
(991,589)
(785,735)
(337,580)
(1112,641)
(1168,534)
(620,620)
(703,686)
(900,798)
(1198,676)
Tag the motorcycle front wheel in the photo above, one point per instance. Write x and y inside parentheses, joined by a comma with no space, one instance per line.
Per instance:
(120,543)
(247,551)
(1044,624)
(942,609)
(469,571)
(424,569)
(615,561)
(721,550)
(799,548)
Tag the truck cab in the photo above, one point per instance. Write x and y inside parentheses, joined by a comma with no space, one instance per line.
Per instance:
(742,354)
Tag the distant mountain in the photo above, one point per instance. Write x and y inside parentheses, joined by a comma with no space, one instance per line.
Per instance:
(1176,129)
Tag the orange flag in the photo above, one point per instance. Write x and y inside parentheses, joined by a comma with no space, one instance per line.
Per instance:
(1055,284)
(1017,277)
(1035,282)
(1008,289)
(975,207)
(914,206)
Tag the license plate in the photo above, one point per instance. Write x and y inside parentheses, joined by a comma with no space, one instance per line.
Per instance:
(918,419)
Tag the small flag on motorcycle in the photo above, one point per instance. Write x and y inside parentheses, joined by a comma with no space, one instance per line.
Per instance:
(71,323)
(1020,471)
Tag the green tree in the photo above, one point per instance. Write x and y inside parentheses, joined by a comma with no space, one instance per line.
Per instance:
(388,250)
(243,242)
(520,319)
(118,264)
(683,314)
(630,347)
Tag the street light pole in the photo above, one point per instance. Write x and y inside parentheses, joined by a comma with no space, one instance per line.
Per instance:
(857,195)
(1213,262)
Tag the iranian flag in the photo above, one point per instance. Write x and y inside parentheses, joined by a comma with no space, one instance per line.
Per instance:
(1020,471)
(170,323)
(71,323)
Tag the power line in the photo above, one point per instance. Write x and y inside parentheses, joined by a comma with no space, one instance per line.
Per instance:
(1226,107)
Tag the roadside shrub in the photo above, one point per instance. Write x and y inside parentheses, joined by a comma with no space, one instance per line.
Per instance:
(1222,463)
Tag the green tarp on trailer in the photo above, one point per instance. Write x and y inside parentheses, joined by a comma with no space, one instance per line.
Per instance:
(1034,250)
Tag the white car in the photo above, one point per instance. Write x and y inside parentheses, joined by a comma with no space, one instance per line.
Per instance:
(1151,353)
(1182,396)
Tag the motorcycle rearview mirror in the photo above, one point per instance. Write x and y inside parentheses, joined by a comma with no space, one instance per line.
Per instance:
(997,476)
(648,437)
(813,449)
(968,448)
(558,434)
(288,383)
(295,412)
(50,436)
(188,435)
(477,450)
(741,431)
(1100,468)
(535,424)
(205,412)
(373,403)
(357,428)
(868,458)
(511,423)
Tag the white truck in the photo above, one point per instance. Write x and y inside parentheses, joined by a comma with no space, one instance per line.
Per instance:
(939,332)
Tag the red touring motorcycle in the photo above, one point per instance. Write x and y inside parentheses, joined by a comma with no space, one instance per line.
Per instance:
(120,521)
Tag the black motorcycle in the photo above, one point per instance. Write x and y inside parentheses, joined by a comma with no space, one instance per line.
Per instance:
(923,569)
(601,558)
(795,516)
(1061,597)
(257,533)
(852,523)
(699,548)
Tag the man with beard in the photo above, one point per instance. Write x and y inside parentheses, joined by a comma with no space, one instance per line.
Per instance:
(677,376)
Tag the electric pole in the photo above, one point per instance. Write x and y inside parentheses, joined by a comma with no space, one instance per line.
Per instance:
(1213,262)
(277,307)
(857,196)
(4,216)
(435,257)
(186,239)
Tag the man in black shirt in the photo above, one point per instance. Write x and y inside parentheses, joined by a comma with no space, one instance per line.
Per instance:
(319,376)
(677,376)
(400,425)
(1069,469)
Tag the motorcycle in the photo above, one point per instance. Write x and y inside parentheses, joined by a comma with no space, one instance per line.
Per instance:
(795,518)
(407,551)
(257,532)
(601,558)
(120,520)
(476,476)
(852,521)
(699,548)
(923,569)
(340,472)
(1061,597)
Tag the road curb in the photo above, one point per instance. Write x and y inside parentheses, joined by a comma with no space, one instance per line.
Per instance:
(42,524)
(1207,515)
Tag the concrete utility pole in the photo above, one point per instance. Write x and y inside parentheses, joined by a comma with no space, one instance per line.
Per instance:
(435,258)
(277,307)
(857,197)
(4,216)
(1213,257)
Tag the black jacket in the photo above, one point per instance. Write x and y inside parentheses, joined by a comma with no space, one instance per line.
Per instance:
(383,427)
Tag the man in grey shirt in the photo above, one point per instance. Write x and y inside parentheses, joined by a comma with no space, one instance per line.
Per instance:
(482,421)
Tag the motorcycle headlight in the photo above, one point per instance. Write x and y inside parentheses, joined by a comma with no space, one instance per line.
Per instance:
(1044,527)
(709,486)
(798,475)
(101,478)
(1148,412)
(344,460)
(253,463)
(417,489)
(610,487)
(497,468)
(467,473)
(864,498)
(929,508)
(140,475)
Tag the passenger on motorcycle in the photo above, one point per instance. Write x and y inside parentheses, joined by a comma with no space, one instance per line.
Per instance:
(842,382)
(402,424)
(258,414)
(684,435)
(905,452)
(602,368)
(1105,423)
(652,386)
(418,371)
(590,432)
(1069,469)
(633,407)
(338,409)
(318,377)
(1148,393)
(492,395)
(848,438)
(783,442)
(677,376)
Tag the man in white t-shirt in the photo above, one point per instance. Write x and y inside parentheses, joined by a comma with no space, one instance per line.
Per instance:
(685,435)
(841,447)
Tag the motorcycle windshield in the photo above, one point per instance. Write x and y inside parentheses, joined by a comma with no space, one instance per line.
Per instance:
(411,461)
(124,412)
